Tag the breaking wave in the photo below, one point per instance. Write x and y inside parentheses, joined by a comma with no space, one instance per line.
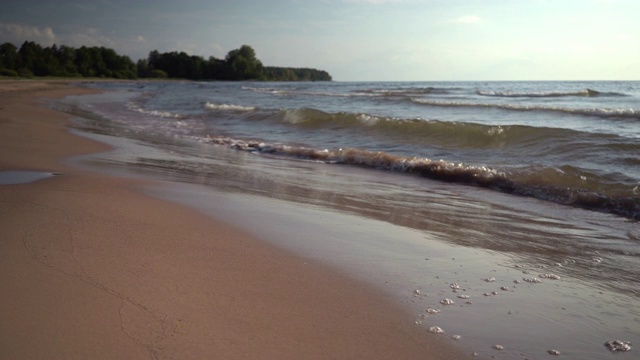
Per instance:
(532,182)
(227,107)
(132,106)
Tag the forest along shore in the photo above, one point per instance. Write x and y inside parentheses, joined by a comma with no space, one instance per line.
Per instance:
(32,60)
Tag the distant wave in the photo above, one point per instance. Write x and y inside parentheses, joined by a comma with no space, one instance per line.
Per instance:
(272,91)
(598,112)
(585,92)
(227,107)
(293,92)
(412,91)
(376,92)
(533,182)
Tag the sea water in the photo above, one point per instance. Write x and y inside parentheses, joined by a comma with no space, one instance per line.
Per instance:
(416,187)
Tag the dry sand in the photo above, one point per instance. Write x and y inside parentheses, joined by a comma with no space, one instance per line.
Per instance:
(92,269)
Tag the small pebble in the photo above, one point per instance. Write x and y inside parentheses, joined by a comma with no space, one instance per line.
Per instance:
(417,292)
(432,311)
(618,345)
(436,330)
(463,296)
(491,279)
(532,280)
(498,347)
(455,286)
(550,276)
(553,352)
(446,302)
(504,288)
(456,337)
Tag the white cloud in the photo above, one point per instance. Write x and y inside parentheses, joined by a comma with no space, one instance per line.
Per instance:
(468,19)
(19,33)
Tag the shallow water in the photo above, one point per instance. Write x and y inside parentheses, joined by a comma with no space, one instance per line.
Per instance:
(574,143)
(15,177)
(402,233)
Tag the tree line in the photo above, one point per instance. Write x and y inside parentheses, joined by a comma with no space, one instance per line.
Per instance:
(32,60)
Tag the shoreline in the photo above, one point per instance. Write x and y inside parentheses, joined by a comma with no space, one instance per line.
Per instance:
(96,269)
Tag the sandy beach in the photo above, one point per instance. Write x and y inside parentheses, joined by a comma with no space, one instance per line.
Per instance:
(92,269)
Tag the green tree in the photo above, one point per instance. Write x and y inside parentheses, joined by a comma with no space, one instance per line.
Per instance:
(66,57)
(31,59)
(143,68)
(50,62)
(159,74)
(215,69)
(85,62)
(274,73)
(239,64)
(244,65)
(8,56)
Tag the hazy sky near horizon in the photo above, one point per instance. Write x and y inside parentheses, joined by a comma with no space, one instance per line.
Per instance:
(358,40)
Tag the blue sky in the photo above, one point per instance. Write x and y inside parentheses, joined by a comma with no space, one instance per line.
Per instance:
(358,40)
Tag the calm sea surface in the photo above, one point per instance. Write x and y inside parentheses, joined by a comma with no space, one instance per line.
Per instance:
(523,180)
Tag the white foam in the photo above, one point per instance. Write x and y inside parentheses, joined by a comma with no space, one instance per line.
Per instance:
(227,107)
(158,113)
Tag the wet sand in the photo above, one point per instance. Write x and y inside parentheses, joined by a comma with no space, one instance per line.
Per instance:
(91,268)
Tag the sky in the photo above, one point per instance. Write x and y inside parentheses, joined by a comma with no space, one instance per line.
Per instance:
(357,40)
